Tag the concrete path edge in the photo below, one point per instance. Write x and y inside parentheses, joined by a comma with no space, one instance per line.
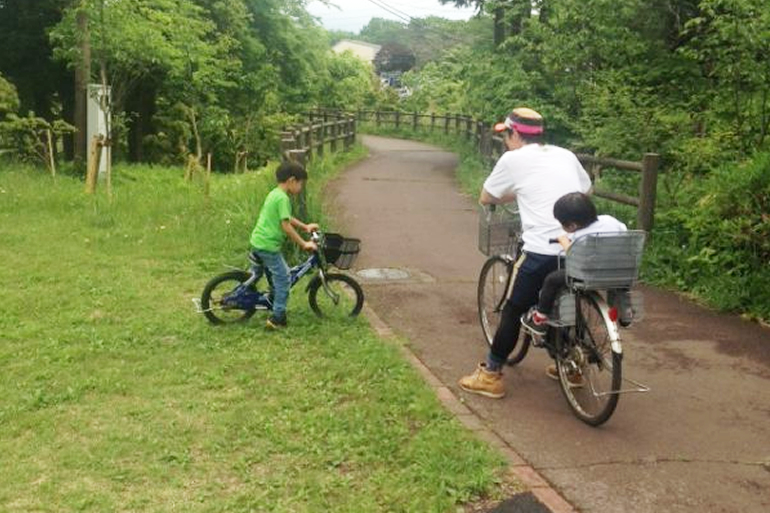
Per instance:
(519,467)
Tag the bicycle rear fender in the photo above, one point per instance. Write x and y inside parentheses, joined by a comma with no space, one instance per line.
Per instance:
(612,327)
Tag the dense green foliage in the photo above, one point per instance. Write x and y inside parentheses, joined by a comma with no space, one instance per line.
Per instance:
(187,76)
(117,395)
(689,79)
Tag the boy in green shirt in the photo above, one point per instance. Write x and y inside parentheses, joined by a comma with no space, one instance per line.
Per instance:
(275,222)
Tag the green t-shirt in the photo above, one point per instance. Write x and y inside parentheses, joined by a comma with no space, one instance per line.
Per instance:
(268,234)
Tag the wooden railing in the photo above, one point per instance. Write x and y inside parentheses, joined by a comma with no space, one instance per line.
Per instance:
(300,143)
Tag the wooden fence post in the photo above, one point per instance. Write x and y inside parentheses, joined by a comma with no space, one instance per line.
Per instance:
(414,121)
(309,142)
(333,130)
(51,162)
(645,217)
(377,118)
(321,139)
(288,143)
(346,142)
(446,124)
(432,121)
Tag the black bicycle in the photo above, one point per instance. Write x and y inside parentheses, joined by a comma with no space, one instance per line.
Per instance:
(582,334)
(234,296)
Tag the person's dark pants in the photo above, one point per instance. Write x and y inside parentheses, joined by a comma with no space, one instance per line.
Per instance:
(530,272)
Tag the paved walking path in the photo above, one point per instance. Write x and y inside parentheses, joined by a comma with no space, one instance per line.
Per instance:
(699,441)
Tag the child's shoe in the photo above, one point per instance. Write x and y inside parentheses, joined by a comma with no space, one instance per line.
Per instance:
(534,322)
(274,323)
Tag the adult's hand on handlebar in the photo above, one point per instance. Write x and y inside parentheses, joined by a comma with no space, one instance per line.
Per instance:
(310,246)
(312,227)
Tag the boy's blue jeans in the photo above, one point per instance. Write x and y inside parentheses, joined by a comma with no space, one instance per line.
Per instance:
(279,272)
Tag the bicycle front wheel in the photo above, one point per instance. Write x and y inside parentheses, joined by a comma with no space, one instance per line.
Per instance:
(493,284)
(216,290)
(589,370)
(494,281)
(338,296)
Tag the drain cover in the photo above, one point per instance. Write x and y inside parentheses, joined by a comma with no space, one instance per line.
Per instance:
(383,274)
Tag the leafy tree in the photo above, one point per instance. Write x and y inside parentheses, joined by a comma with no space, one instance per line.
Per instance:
(349,82)
(25,58)
(730,41)
(394,57)
(9,99)
(381,31)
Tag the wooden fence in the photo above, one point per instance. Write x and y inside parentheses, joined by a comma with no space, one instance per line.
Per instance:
(302,142)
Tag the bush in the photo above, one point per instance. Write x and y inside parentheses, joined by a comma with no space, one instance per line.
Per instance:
(717,244)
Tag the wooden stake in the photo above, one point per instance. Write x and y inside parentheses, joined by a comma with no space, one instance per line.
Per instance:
(51,163)
(93,166)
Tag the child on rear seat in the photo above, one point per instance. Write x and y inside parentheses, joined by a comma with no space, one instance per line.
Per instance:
(577,215)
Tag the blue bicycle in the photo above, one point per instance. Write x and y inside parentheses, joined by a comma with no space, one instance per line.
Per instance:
(234,297)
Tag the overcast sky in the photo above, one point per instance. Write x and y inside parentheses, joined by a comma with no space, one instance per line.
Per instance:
(353,15)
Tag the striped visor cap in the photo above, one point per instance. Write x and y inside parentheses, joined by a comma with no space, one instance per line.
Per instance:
(523,120)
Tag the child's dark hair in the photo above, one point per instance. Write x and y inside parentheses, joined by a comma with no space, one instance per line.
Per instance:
(289,169)
(575,208)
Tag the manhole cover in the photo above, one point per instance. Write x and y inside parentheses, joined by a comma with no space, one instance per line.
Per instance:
(383,274)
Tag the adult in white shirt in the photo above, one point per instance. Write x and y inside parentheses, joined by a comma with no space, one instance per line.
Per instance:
(535,175)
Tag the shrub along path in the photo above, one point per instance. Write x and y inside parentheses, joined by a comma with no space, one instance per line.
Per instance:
(699,441)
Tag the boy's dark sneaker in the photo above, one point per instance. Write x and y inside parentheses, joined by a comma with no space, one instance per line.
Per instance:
(274,323)
(534,322)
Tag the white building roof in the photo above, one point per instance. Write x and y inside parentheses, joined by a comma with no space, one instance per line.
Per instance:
(362,50)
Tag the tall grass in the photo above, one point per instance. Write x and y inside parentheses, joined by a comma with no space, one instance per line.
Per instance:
(115,395)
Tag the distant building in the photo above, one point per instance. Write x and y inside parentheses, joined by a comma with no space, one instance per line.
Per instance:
(364,51)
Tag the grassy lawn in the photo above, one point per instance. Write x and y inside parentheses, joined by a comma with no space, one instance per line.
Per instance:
(115,395)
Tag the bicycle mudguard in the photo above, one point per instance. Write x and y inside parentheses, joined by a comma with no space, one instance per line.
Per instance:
(612,327)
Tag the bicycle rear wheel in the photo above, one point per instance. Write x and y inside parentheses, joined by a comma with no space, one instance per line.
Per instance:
(494,281)
(585,358)
(213,299)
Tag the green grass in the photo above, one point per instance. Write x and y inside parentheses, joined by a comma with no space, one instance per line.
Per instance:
(115,395)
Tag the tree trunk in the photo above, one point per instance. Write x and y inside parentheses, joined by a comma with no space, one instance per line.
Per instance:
(82,77)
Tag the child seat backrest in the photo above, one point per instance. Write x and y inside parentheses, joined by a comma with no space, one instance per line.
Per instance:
(605,260)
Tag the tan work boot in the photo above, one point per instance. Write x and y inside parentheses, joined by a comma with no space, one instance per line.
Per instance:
(484,382)
(574,378)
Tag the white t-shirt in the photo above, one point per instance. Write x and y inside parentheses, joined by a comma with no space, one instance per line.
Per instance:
(538,175)
(603,224)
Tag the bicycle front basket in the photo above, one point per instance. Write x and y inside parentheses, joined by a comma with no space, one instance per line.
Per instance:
(605,260)
(499,230)
(340,251)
